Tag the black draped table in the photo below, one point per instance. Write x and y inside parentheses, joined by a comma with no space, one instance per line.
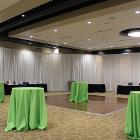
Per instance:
(126,89)
(96,88)
(8,88)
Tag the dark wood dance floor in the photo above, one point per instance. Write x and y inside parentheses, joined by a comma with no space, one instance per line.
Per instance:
(96,104)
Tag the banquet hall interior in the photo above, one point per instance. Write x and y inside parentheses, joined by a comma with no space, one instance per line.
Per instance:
(69,69)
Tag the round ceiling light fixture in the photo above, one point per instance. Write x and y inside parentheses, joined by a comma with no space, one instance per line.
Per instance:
(55,30)
(137,12)
(133,32)
(89,22)
(111,46)
(23,15)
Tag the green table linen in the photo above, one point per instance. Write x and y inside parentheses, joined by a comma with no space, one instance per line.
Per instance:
(27,109)
(79,92)
(132,123)
(2,97)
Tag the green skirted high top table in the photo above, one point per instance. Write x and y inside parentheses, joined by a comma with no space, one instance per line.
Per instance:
(2,97)
(27,109)
(132,123)
(79,92)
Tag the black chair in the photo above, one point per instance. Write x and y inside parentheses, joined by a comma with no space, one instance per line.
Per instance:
(130,84)
(26,83)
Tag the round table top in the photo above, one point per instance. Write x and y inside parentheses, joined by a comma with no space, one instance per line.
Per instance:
(27,88)
(134,92)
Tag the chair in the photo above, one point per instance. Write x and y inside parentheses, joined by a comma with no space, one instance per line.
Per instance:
(26,83)
(15,82)
(9,82)
(130,84)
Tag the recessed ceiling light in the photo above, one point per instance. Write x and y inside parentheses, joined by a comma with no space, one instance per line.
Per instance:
(89,22)
(31,36)
(125,53)
(55,30)
(138,43)
(135,33)
(30,43)
(89,39)
(56,51)
(65,43)
(23,15)
(101,53)
(111,46)
(137,12)
(26,52)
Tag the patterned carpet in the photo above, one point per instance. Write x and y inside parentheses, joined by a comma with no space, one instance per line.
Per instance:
(65,124)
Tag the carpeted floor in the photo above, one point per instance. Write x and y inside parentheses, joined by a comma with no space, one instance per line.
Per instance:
(65,124)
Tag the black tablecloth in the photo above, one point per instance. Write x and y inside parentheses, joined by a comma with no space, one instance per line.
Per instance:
(8,88)
(96,88)
(126,89)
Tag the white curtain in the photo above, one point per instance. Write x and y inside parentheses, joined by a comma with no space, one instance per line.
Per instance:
(121,69)
(56,70)
(53,69)
(87,68)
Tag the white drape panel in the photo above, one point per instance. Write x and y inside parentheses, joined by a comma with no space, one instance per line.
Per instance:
(87,68)
(37,67)
(1,65)
(28,66)
(121,69)
(56,71)
(135,69)
(53,69)
(125,69)
(17,65)
(106,71)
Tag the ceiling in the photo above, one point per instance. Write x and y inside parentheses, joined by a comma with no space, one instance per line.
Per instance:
(12,8)
(6,3)
(103,33)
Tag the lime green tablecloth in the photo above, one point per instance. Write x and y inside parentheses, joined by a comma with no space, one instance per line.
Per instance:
(132,124)
(1,92)
(79,92)
(27,109)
